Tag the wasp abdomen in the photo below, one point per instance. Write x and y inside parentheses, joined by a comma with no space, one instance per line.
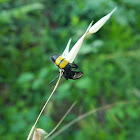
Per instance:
(59,61)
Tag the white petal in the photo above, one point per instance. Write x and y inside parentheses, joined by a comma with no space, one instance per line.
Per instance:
(75,49)
(66,51)
(101,22)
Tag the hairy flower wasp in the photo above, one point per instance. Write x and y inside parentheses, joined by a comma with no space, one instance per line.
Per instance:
(68,68)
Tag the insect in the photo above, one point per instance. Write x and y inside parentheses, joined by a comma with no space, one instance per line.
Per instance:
(68,68)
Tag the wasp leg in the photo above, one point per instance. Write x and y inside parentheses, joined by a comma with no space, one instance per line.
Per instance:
(66,75)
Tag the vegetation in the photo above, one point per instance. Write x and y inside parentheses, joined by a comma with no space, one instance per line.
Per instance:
(31,31)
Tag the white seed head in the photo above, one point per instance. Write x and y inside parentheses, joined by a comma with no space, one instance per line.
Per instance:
(66,51)
(75,49)
(70,56)
(101,22)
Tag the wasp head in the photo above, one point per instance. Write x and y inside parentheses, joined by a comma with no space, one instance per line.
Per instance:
(54,57)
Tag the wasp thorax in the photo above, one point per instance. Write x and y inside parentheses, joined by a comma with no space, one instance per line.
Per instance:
(54,57)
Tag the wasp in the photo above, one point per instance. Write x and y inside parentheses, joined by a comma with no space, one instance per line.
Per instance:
(69,69)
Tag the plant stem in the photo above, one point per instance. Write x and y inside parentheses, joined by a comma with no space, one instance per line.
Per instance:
(61,120)
(31,131)
(107,107)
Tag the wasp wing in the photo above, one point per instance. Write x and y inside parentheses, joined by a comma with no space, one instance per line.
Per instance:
(77,75)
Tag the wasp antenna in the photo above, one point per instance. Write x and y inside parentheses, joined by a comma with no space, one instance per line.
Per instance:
(54,79)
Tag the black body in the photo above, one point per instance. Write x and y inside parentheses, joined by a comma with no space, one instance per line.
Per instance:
(70,73)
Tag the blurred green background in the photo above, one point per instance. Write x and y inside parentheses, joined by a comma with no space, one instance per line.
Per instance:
(31,31)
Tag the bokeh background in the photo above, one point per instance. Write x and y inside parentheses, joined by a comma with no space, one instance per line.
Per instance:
(31,31)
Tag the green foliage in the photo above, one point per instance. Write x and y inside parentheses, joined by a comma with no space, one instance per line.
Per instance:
(31,31)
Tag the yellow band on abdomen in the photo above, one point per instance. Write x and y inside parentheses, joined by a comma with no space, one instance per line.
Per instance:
(58,60)
(61,62)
